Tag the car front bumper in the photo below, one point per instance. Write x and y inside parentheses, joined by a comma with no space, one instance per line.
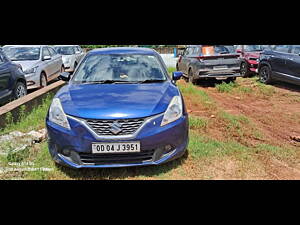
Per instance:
(153,139)
(33,80)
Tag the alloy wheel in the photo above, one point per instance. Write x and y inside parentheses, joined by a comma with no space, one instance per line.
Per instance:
(20,91)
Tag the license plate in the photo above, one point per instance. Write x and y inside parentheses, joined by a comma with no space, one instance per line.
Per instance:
(116,147)
(220,67)
(221,78)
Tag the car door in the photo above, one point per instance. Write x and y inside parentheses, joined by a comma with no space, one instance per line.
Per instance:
(46,64)
(56,61)
(278,59)
(5,75)
(293,62)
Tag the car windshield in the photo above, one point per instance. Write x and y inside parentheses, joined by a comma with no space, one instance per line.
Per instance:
(66,50)
(22,53)
(217,49)
(120,68)
(253,48)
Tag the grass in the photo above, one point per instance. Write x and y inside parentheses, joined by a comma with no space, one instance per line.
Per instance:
(226,87)
(32,121)
(197,96)
(198,122)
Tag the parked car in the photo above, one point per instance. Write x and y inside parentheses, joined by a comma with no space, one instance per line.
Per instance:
(12,80)
(209,61)
(71,55)
(120,108)
(250,58)
(40,64)
(280,64)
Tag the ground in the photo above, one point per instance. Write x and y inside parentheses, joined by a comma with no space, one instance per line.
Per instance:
(239,130)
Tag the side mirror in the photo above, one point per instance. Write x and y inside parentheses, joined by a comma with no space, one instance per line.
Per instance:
(47,57)
(65,76)
(238,51)
(177,75)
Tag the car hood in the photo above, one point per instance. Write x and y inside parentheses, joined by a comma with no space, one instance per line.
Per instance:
(27,64)
(113,101)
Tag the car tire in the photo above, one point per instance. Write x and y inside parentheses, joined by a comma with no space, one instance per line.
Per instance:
(43,80)
(191,77)
(244,70)
(20,90)
(265,75)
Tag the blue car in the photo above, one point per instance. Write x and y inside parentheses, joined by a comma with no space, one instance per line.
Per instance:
(119,109)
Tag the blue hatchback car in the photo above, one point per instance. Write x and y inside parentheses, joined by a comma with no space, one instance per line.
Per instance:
(119,109)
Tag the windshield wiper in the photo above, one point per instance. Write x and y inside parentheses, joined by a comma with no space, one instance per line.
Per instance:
(108,82)
(151,81)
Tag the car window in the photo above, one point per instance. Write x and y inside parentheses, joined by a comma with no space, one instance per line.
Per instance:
(45,52)
(187,51)
(1,58)
(52,51)
(296,49)
(282,48)
(123,68)
(78,49)
(196,51)
(15,53)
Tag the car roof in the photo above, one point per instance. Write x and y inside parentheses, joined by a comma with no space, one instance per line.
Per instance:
(123,50)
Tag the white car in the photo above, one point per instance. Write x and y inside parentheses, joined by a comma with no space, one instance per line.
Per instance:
(71,55)
(40,63)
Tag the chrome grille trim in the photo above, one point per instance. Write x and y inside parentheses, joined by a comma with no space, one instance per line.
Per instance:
(114,137)
(102,127)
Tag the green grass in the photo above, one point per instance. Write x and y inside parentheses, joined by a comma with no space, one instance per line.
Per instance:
(197,95)
(171,70)
(226,87)
(196,122)
(31,121)
(238,127)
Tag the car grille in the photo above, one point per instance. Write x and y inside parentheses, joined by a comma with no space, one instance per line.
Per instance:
(127,126)
(122,158)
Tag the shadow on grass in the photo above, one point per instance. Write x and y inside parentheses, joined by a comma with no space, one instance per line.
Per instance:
(123,173)
(209,82)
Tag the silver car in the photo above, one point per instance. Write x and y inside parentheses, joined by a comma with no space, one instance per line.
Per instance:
(40,63)
(71,55)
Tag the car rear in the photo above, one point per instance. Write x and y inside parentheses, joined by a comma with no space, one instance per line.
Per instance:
(217,61)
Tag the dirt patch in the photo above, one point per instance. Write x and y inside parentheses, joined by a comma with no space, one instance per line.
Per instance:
(275,116)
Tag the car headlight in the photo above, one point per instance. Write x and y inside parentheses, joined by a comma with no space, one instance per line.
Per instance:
(174,111)
(32,70)
(57,114)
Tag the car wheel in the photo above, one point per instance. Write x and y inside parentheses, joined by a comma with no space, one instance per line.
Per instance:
(43,80)
(20,90)
(244,70)
(265,75)
(191,77)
